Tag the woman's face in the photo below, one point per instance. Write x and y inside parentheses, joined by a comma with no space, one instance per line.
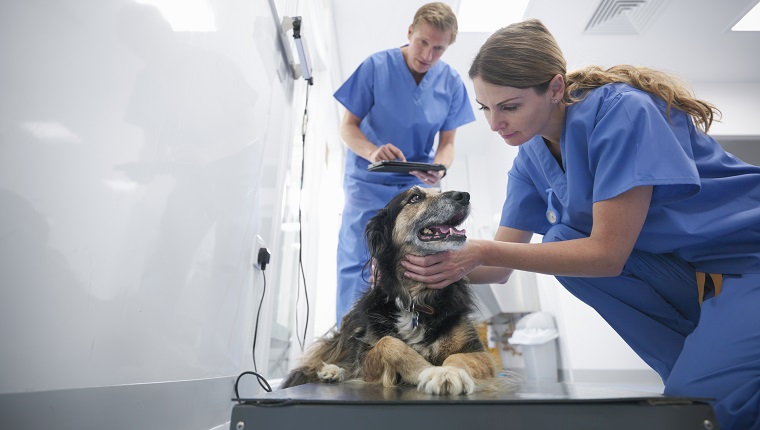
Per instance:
(516,114)
(426,46)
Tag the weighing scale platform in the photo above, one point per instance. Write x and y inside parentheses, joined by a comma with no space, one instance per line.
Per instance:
(528,405)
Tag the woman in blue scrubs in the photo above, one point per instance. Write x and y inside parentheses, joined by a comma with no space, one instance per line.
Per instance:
(644,216)
(396,102)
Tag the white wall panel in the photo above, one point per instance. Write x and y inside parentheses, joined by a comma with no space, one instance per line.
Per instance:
(140,156)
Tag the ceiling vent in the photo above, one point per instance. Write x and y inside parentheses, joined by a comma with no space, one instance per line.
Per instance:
(622,16)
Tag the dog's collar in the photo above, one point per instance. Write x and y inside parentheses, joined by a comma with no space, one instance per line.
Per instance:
(415,308)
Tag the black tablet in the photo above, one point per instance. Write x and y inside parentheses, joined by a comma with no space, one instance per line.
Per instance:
(394,166)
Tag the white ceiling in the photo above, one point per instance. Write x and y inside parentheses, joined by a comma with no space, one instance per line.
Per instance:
(690,38)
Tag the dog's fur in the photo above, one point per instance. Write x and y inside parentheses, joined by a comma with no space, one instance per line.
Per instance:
(378,340)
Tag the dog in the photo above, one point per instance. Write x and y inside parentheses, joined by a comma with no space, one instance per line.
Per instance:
(400,332)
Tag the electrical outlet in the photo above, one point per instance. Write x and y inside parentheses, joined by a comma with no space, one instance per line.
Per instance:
(264,256)
(258,243)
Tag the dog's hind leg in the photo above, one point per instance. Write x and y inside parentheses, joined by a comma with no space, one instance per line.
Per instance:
(305,375)
(331,373)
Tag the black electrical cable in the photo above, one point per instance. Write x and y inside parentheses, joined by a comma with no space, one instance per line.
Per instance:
(256,327)
(302,342)
(261,380)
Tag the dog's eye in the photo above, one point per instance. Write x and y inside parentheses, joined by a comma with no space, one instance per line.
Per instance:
(414,199)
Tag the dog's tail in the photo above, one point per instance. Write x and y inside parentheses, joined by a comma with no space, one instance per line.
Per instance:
(504,381)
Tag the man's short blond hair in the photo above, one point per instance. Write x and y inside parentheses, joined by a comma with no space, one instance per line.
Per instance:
(440,16)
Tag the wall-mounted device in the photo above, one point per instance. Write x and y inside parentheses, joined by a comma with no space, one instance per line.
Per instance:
(304,71)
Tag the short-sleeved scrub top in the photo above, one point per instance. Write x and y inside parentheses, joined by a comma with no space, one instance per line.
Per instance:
(705,206)
(395,109)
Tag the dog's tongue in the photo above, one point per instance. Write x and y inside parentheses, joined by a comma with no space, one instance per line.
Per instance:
(448,230)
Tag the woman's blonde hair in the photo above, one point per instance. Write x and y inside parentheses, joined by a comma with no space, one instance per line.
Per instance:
(440,16)
(526,55)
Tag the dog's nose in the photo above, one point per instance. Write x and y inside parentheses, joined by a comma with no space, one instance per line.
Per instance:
(462,197)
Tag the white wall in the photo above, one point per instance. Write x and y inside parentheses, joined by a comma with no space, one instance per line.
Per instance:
(139,160)
(738,104)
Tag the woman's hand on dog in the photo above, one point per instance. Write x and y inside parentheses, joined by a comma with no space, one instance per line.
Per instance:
(442,269)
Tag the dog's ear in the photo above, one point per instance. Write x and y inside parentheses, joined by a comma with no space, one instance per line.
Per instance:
(378,233)
(379,236)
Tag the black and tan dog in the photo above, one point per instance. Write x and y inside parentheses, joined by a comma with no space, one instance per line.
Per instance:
(399,331)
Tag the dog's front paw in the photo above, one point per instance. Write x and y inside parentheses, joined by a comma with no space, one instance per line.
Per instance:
(445,380)
(331,373)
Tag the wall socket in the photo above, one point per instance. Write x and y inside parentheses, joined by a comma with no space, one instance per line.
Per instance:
(258,243)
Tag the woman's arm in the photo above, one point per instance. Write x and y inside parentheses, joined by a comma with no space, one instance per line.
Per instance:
(617,224)
(499,275)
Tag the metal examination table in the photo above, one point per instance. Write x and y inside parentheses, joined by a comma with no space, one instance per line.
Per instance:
(529,405)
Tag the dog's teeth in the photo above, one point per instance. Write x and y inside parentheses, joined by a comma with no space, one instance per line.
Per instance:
(427,231)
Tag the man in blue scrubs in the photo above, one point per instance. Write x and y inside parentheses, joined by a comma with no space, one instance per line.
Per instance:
(396,102)
(644,216)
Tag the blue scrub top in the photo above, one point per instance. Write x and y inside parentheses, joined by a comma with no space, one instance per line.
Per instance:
(395,109)
(705,205)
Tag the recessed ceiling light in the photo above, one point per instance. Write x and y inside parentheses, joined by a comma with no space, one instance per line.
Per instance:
(750,21)
(185,15)
(489,15)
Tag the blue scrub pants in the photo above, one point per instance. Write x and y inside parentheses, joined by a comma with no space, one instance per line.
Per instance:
(712,351)
(362,201)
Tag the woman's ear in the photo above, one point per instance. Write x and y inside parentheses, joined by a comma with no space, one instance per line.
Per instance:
(557,87)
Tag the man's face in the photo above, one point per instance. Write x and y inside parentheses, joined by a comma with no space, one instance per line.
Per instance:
(426,46)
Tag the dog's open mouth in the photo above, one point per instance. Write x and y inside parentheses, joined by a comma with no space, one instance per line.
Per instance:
(444,231)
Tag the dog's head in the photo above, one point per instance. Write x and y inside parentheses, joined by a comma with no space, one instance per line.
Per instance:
(422,221)
(418,221)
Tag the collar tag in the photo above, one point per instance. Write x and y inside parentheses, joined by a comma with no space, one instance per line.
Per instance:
(425,309)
